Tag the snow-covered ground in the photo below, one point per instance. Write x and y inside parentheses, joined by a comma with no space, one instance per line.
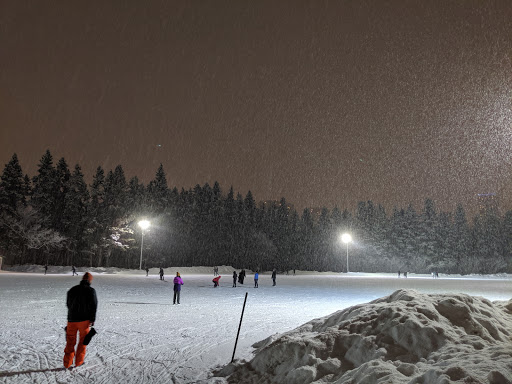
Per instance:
(142,337)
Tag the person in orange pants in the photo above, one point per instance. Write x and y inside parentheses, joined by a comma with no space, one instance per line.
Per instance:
(82,304)
(83,328)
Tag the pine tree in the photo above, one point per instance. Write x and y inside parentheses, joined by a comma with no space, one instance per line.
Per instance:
(115,196)
(241,242)
(13,191)
(445,241)
(62,176)
(158,191)
(428,234)
(306,233)
(492,245)
(294,261)
(250,207)
(76,204)
(282,238)
(324,249)
(135,197)
(397,237)
(44,195)
(462,240)
(411,239)
(97,214)
(230,216)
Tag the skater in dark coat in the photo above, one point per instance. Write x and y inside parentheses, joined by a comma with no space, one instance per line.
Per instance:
(234,279)
(45,269)
(242,276)
(82,304)
(147,271)
(73,269)
(178,282)
(274,275)
(161,273)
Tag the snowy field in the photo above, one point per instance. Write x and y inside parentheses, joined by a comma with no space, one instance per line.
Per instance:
(143,337)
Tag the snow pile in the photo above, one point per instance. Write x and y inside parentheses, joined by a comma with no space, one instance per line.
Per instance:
(407,337)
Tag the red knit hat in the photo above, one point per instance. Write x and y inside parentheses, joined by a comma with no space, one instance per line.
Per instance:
(87,276)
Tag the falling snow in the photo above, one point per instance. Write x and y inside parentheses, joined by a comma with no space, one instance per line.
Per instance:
(362,101)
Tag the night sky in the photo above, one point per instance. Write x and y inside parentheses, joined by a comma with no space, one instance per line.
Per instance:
(323,102)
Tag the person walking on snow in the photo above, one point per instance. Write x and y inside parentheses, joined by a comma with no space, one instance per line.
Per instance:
(45,268)
(256,280)
(82,304)
(178,282)
(73,269)
(274,274)
(147,271)
(161,273)
(234,279)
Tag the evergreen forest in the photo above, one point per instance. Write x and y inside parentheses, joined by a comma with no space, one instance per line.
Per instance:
(55,218)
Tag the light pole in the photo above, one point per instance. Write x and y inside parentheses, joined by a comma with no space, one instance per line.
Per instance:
(143,224)
(346,238)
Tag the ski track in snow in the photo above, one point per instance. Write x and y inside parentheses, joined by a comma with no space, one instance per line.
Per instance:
(142,337)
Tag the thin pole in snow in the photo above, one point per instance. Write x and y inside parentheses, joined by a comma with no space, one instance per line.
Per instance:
(239,326)
(347,257)
(141,246)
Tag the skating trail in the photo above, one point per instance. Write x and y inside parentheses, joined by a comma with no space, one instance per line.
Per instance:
(143,337)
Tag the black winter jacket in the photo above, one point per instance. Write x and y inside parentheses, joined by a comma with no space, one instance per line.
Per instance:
(82,302)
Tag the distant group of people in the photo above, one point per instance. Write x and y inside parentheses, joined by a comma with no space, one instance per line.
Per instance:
(239,278)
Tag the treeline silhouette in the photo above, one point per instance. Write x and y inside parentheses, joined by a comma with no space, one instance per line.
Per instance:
(56,218)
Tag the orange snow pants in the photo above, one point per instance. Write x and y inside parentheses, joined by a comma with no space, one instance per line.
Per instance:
(69,353)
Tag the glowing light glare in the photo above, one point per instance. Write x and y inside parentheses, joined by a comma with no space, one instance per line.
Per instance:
(144,224)
(346,238)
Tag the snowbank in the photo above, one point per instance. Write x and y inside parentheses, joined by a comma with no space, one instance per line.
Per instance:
(406,337)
